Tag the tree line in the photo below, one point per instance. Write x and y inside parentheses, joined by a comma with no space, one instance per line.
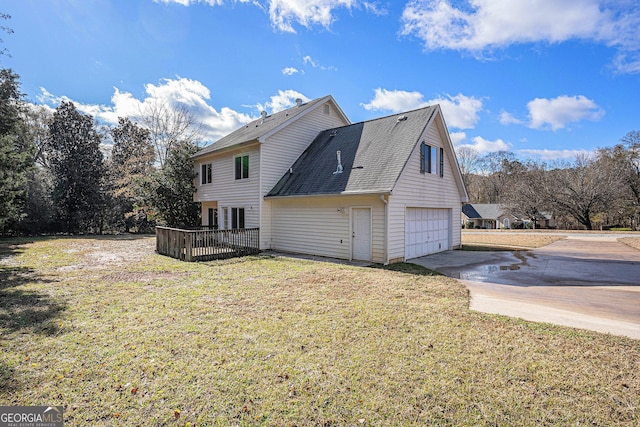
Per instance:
(56,178)
(600,191)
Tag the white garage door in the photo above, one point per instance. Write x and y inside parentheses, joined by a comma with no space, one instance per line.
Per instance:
(427,231)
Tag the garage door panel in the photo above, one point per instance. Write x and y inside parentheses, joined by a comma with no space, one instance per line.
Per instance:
(427,231)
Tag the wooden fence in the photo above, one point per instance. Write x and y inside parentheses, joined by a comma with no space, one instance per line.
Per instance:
(206,244)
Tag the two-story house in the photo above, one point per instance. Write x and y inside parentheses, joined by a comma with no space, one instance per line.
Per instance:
(384,190)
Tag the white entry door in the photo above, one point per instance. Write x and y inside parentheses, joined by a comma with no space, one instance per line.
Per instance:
(427,231)
(361,234)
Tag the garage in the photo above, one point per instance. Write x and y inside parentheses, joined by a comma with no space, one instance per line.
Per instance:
(427,231)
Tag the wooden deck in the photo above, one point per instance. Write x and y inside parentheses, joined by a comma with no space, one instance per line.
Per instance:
(206,244)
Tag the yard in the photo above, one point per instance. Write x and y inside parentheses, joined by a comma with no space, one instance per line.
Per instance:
(122,336)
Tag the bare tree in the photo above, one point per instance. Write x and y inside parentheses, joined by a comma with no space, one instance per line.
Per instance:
(468,160)
(7,30)
(581,191)
(496,168)
(524,196)
(38,118)
(170,127)
(623,160)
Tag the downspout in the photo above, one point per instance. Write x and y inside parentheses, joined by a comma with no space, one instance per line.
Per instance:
(386,229)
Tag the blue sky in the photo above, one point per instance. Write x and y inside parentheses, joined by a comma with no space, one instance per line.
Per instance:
(545,81)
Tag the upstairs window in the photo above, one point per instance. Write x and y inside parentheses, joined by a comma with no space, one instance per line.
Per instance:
(242,167)
(431,160)
(434,161)
(425,158)
(206,174)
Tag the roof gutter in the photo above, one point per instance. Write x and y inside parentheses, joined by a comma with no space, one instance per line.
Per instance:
(226,149)
(344,193)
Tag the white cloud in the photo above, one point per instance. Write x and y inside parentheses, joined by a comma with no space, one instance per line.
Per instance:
(478,26)
(290,71)
(283,100)
(508,119)
(309,60)
(169,92)
(395,101)
(558,112)
(483,146)
(459,111)
(283,13)
(550,155)
(457,138)
(190,2)
(374,8)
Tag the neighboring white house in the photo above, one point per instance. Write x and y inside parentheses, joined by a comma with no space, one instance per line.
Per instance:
(384,190)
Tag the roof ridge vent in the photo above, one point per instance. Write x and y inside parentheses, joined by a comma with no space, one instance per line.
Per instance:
(402,118)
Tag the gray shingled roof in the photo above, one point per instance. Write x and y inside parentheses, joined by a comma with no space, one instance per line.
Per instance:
(374,153)
(254,130)
(483,210)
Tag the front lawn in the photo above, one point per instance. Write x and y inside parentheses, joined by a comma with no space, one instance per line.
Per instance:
(506,240)
(121,336)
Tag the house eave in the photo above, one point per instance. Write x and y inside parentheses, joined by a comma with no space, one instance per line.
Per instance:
(224,150)
(342,193)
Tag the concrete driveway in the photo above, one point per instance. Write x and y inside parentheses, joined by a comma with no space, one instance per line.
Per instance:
(584,281)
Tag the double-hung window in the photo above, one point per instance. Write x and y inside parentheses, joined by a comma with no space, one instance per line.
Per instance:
(206,174)
(242,167)
(425,158)
(431,160)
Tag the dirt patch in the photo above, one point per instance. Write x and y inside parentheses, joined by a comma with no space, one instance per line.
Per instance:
(101,253)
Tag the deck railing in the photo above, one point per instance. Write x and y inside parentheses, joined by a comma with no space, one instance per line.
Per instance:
(206,244)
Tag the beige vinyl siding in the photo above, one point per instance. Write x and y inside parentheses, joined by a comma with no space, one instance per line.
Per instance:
(418,190)
(229,192)
(281,150)
(322,225)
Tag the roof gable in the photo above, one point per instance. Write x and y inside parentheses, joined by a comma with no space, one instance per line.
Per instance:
(260,129)
(373,155)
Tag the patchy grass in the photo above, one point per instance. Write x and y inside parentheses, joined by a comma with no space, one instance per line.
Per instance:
(121,336)
(407,267)
(509,241)
(634,242)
